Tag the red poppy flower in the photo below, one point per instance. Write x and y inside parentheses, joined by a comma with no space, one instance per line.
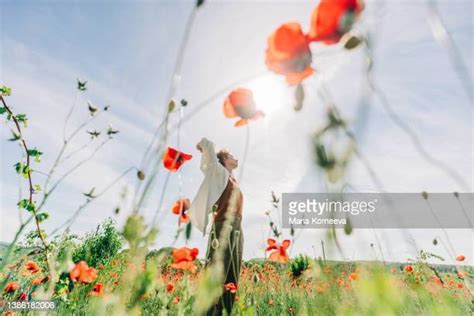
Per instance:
(169,287)
(173,159)
(32,267)
(12,286)
(179,208)
(97,290)
(22,296)
(460,258)
(288,53)
(408,268)
(333,18)
(83,273)
(280,255)
(183,259)
(231,287)
(240,103)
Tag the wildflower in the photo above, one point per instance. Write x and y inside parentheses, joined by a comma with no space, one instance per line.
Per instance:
(97,290)
(183,259)
(31,267)
(459,285)
(408,268)
(232,287)
(353,276)
(288,53)
(179,208)
(280,255)
(83,273)
(462,274)
(240,103)
(460,258)
(169,287)
(331,19)
(22,296)
(176,300)
(114,262)
(173,159)
(101,267)
(12,286)
(436,280)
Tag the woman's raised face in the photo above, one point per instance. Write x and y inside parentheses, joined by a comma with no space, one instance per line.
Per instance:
(230,162)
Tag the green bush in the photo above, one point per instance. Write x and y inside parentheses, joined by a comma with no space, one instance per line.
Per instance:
(98,247)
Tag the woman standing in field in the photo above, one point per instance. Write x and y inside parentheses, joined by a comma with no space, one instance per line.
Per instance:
(220,197)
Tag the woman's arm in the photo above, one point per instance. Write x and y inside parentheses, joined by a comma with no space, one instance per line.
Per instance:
(209,157)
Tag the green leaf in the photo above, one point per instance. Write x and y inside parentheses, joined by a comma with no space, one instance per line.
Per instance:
(42,217)
(37,188)
(2,110)
(5,91)
(18,167)
(31,207)
(188,230)
(21,117)
(81,85)
(23,203)
(35,153)
(14,137)
(26,171)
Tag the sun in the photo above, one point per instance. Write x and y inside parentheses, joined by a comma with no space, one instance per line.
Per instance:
(269,94)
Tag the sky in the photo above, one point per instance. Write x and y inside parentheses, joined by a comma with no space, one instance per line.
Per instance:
(127,50)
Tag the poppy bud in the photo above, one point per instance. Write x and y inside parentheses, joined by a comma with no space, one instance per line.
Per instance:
(255,278)
(351,41)
(184,102)
(171,106)
(299,97)
(425,195)
(215,243)
(435,241)
(140,175)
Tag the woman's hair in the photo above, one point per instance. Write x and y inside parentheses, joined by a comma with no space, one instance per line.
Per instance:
(223,154)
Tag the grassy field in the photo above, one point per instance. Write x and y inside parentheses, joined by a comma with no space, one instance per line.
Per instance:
(95,275)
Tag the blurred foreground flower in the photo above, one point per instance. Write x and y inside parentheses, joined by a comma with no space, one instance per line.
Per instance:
(288,53)
(240,103)
(280,255)
(173,159)
(183,259)
(83,273)
(331,19)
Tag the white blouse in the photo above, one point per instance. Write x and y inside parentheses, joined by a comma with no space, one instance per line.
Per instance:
(212,187)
